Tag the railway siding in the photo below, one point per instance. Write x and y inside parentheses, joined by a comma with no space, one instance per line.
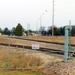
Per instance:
(24,42)
(42,44)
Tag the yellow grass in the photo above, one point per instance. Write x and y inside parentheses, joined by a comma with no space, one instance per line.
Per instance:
(14,41)
(27,60)
(58,39)
(18,60)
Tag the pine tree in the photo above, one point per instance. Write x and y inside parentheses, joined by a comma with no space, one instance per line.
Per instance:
(19,30)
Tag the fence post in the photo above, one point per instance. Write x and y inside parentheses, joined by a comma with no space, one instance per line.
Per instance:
(66,47)
(9,52)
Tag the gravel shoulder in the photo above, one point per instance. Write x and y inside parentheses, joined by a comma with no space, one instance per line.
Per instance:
(61,68)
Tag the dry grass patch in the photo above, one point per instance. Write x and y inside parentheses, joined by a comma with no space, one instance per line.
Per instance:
(58,39)
(27,60)
(19,60)
(14,41)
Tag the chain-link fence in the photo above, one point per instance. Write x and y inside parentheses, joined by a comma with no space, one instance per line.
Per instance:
(18,53)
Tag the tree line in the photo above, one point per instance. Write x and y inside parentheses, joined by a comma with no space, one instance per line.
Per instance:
(57,31)
(19,30)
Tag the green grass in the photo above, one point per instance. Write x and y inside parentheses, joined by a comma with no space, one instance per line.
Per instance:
(20,73)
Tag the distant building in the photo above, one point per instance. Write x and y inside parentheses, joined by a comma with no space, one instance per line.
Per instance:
(0,34)
(24,34)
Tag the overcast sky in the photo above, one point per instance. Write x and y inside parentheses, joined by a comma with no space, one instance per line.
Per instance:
(28,12)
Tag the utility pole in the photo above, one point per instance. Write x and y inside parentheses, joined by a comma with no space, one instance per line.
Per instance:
(53,20)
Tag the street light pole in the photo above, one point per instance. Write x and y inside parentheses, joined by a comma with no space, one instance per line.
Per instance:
(53,20)
(37,25)
(40,23)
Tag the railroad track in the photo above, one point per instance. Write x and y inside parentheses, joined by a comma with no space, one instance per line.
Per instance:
(38,40)
(41,41)
(47,50)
